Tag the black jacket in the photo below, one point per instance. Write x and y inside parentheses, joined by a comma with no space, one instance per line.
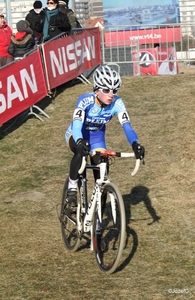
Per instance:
(71,16)
(36,22)
(18,48)
(58,23)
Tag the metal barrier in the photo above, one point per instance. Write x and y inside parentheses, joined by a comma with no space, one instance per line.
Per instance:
(31,111)
(40,71)
(118,44)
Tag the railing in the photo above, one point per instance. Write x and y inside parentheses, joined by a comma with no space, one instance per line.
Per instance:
(118,44)
(26,81)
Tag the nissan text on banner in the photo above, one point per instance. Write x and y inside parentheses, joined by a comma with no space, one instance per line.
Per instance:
(68,57)
(22,84)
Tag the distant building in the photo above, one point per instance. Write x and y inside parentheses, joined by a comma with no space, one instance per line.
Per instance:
(96,22)
(81,9)
(96,8)
(87,9)
(187,16)
(19,10)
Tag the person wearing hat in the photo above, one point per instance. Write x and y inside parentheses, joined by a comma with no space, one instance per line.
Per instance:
(5,39)
(23,40)
(63,5)
(35,17)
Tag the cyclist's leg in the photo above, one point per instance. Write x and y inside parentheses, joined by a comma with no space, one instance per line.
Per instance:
(76,160)
(95,159)
(73,174)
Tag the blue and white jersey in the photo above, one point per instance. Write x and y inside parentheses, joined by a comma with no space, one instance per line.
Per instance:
(90,119)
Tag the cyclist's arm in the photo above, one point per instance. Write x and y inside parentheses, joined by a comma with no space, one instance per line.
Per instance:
(79,114)
(124,120)
(77,124)
(126,125)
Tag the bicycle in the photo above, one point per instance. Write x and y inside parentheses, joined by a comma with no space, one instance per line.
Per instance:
(103,216)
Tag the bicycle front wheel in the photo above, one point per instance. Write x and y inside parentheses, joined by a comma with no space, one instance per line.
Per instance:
(68,221)
(108,239)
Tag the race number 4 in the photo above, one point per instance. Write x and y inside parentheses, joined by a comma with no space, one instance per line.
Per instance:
(79,114)
(123,118)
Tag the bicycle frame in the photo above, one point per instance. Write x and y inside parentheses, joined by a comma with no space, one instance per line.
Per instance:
(87,224)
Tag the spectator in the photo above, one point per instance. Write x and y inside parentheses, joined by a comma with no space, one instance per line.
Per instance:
(23,40)
(35,17)
(74,23)
(5,39)
(55,21)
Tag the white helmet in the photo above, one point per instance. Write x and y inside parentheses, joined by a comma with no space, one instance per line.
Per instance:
(106,77)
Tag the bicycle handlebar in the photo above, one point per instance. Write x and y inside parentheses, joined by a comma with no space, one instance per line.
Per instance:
(108,153)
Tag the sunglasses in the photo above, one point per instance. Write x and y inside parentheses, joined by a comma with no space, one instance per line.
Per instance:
(50,2)
(107,91)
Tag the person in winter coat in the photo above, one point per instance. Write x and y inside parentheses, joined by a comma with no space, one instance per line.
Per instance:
(23,40)
(35,17)
(74,23)
(5,39)
(55,21)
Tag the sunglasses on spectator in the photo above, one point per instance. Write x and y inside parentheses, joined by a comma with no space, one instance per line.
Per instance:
(107,91)
(50,2)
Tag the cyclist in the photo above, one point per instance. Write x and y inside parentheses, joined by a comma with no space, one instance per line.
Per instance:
(87,130)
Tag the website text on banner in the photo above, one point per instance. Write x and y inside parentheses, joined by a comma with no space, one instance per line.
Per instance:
(70,56)
(22,84)
(142,36)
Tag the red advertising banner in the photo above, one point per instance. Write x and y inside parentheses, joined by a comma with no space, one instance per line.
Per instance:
(142,36)
(22,84)
(152,61)
(144,62)
(68,57)
(167,63)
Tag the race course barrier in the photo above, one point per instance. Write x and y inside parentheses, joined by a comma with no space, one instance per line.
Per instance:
(27,81)
(22,84)
(69,57)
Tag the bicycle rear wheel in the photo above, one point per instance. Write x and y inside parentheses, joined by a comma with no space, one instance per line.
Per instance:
(109,238)
(68,221)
